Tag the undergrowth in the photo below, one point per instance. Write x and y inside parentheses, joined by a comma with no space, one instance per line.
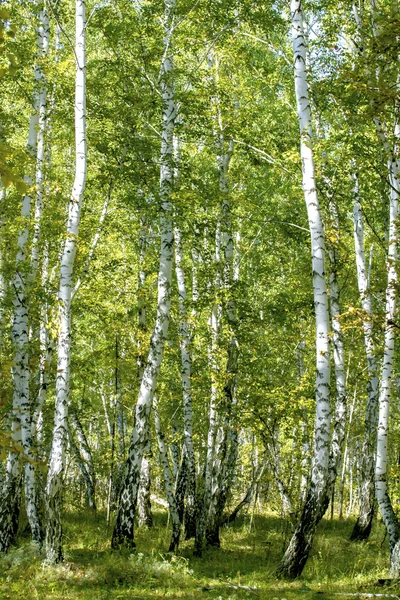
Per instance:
(244,567)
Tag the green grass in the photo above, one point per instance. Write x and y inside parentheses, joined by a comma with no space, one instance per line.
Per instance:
(92,572)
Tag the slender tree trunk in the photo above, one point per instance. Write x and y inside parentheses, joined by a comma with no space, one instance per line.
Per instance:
(248,497)
(339,422)
(227,437)
(305,442)
(345,459)
(86,458)
(40,146)
(54,551)
(124,527)
(31,491)
(362,527)
(273,451)
(145,516)
(186,372)
(204,502)
(223,455)
(21,426)
(169,484)
(385,506)
(144,495)
(297,552)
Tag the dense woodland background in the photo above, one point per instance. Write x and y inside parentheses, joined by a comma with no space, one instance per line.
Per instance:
(184,348)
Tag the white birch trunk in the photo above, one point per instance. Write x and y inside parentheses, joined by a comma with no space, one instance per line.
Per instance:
(124,527)
(272,448)
(305,443)
(363,524)
(31,491)
(296,554)
(385,506)
(391,149)
(211,435)
(186,372)
(57,455)
(222,460)
(43,35)
(21,427)
(145,516)
(339,423)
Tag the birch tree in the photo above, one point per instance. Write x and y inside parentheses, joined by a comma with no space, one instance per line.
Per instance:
(186,372)
(123,533)
(363,524)
(297,552)
(385,506)
(21,420)
(54,551)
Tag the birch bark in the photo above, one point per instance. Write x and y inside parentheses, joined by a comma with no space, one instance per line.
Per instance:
(123,533)
(54,551)
(297,552)
(144,495)
(186,372)
(169,483)
(21,425)
(339,421)
(363,524)
(391,149)
(85,460)
(227,437)
(209,511)
(385,506)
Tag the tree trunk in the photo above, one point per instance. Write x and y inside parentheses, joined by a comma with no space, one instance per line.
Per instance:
(145,516)
(54,551)
(362,527)
(124,528)
(249,496)
(385,506)
(169,484)
(296,555)
(21,427)
(186,372)
(339,422)
(86,461)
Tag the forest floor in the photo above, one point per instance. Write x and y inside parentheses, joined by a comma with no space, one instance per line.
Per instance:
(244,566)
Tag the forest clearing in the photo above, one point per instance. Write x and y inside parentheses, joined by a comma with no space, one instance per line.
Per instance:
(199,280)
